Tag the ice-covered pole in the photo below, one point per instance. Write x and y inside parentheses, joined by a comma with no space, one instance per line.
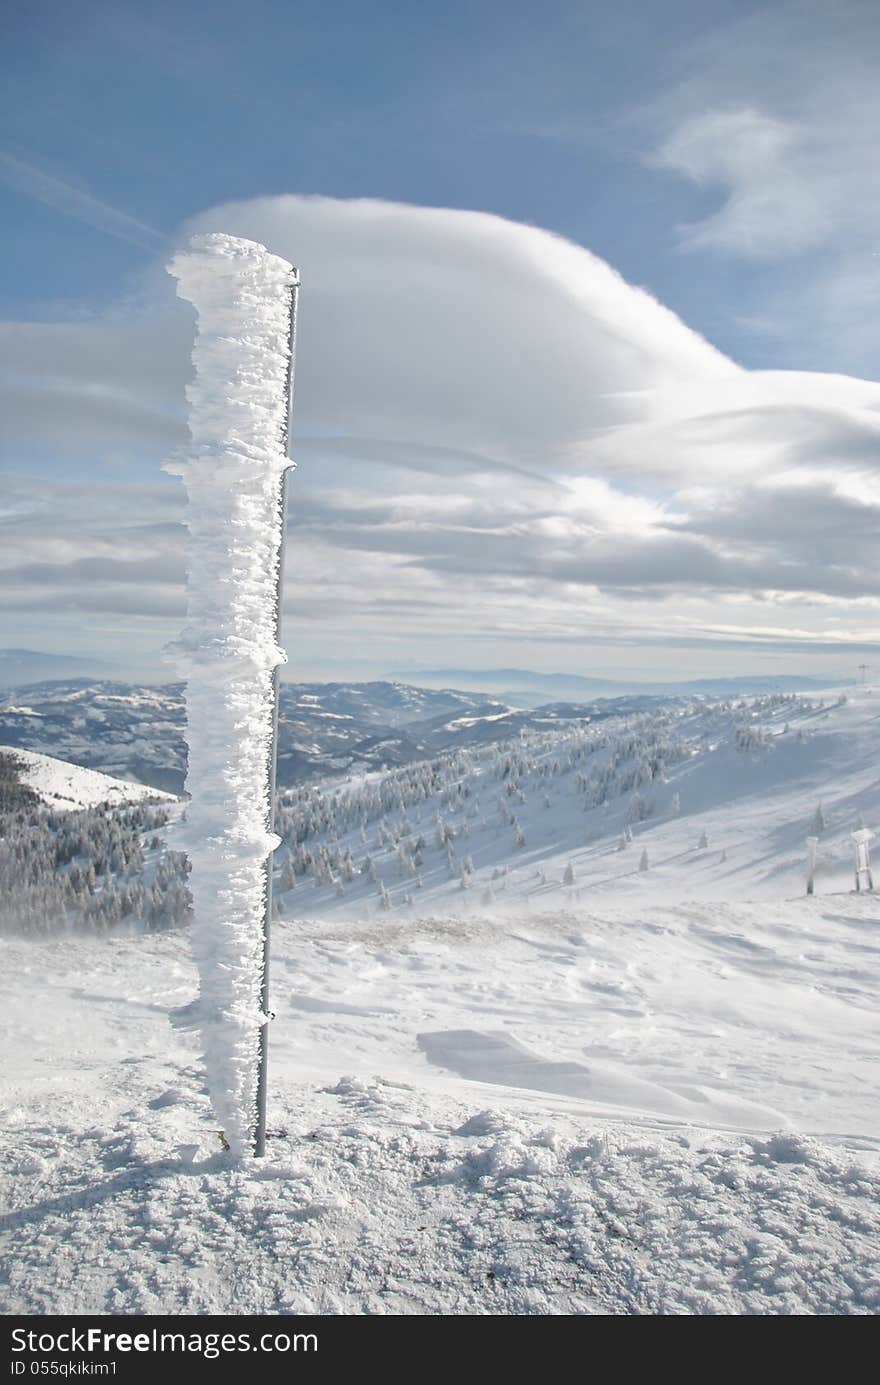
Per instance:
(234,472)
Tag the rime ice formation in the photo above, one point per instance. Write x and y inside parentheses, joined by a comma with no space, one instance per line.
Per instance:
(234,477)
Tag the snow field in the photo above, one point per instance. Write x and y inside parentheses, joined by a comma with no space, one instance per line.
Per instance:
(519,1124)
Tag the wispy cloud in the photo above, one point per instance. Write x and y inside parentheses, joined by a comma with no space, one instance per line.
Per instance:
(777,120)
(770,206)
(82,206)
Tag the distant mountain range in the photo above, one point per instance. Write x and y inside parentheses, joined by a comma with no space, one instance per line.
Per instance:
(526,685)
(135,731)
(22,666)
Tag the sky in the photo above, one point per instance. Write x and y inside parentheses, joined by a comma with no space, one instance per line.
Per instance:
(587,356)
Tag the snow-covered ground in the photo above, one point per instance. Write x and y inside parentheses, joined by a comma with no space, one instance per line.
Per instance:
(639,1092)
(663,1110)
(62,785)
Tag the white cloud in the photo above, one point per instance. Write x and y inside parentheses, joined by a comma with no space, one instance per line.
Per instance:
(774,202)
(498,439)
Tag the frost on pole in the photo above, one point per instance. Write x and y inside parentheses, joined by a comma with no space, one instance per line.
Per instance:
(234,474)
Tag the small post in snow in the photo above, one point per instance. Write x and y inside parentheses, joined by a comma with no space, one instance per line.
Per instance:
(235,475)
(812,844)
(861,839)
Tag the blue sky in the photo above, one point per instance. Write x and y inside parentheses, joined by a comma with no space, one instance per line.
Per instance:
(719,155)
(540,114)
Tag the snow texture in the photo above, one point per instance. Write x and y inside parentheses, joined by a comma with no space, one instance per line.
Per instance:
(418,1164)
(229,653)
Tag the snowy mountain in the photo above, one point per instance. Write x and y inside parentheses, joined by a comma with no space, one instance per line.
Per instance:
(60,785)
(130,732)
(693,800)
(136,731)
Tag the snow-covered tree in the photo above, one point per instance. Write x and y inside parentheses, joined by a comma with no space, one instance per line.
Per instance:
(287,879)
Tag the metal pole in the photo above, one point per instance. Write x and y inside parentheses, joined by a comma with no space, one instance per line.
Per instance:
(812,845)
(263,1054)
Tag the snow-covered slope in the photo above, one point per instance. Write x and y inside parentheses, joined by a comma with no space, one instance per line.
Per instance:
(697,801)
(61,785)
(135,731)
